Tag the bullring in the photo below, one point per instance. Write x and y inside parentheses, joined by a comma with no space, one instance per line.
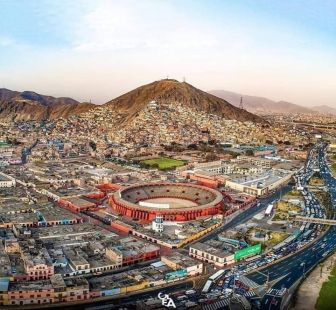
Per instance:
(174,201)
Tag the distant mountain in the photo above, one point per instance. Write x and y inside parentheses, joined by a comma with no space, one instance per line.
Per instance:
(260,104)
(168,90)
(28,105)
(324,109)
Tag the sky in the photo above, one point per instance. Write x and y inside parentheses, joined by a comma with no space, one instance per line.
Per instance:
(97,50)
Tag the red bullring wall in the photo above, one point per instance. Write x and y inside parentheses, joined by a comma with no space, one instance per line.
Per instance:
(132,210)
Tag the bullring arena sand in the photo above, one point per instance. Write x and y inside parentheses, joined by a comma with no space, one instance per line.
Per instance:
(174,203)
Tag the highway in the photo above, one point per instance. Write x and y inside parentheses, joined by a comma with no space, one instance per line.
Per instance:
(293,268)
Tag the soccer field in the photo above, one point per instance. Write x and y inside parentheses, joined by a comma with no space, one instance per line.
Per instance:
(164,162)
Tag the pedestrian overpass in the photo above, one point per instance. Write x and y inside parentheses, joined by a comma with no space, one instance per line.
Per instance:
(315,220)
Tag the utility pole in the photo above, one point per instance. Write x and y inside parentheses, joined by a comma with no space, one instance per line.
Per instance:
(241,106)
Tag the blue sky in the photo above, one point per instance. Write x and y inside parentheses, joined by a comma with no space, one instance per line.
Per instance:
(284,50)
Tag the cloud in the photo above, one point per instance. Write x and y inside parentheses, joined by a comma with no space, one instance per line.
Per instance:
(100,49)
(140,25)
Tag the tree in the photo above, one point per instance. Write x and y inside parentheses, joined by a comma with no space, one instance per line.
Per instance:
(192,146)
(249,152)
(93,145)
(211,157)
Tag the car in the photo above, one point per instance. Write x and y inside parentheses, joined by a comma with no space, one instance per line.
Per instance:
(190,292)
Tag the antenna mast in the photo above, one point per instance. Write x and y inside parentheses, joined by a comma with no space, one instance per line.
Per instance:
(241,106)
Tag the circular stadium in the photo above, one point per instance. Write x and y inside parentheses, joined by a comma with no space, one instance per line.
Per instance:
(174,201)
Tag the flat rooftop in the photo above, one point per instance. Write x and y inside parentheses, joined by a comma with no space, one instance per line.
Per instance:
(62,231)
(211,250)
(4,178)
(266,178)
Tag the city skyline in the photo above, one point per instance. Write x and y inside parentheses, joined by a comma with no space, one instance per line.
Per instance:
(280,50)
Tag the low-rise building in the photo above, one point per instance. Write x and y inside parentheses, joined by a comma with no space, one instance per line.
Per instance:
(260,184)
(209,254)
(6,181)
(178,261)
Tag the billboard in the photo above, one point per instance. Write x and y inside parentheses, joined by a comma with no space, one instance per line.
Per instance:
(113,291)
(251,250)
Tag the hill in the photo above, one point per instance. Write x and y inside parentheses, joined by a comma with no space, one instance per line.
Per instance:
(324,109)
(262,105)
(168,90)
(28,105)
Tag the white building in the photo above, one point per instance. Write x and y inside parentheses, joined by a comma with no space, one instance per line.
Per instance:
(6,180)
(210,254)
(157,224)
(259,185)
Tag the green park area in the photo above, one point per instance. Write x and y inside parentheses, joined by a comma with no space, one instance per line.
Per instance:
(276,237)
(316,180)
(268,237)
(284,209)
(285,206)
(326,299)
(293,193)
(163,163)
(332,160)
(4,144)
(333,168)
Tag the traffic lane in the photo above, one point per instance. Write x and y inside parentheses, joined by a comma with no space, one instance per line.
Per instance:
(289,280)
(271,302)
(310,258)
(285,266)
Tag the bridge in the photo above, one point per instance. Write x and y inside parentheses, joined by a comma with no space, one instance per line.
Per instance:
(315,220)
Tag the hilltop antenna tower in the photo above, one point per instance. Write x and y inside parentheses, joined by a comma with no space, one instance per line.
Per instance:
(184,79)
(241,106)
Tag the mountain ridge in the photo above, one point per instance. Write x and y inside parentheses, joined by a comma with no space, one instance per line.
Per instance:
(29,105)
(325,109)
(258,104)
(171,90)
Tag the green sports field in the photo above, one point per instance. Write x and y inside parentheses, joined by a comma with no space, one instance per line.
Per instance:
(164,163)
(326,299)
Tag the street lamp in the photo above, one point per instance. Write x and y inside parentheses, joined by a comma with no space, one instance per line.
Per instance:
(303,265)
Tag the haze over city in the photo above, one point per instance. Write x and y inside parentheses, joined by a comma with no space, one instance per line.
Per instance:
(97,50)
